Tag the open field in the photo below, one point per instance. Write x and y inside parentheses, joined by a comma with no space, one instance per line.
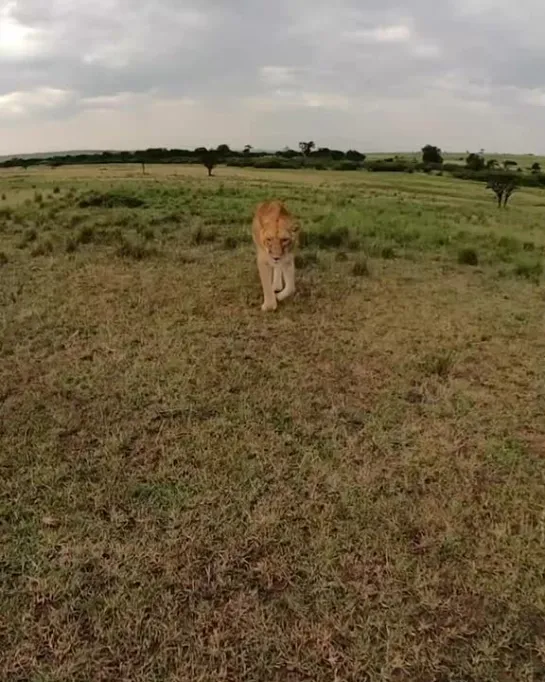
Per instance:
(350,488)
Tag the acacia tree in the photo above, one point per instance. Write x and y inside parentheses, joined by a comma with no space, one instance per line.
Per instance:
(503,187)
(475,161)
(306,148)
(210,160)
(355,155)
(247,149)
(223,150)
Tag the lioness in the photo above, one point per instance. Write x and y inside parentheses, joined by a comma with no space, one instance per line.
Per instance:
(274,232)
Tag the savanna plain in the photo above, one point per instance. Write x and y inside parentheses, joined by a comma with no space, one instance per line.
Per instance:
(351,488)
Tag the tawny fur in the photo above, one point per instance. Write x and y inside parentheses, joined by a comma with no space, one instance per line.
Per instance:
(275,232)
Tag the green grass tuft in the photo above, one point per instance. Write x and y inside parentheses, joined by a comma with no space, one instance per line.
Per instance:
(361,268)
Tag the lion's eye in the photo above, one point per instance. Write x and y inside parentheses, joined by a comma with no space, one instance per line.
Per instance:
(285,242)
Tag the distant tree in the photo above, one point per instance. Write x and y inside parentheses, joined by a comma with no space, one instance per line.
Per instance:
(475,161)
(287,153)
(431,154)
(223,150)
(306,148)
(509,164)
(248,149)
(354,155)
(503,186)
(491,164)
(140,157)
(536,167)
(210,160)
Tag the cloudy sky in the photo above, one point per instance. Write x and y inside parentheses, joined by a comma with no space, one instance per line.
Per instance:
(379,75)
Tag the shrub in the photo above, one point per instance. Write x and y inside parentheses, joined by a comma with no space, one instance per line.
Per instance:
(389,166)
(110,200)
(468,256)
(326,238)
(347,166)
(3,258)
(529,269)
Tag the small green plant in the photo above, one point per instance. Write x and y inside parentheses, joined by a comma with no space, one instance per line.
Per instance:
(361,268)
(341,256)
(57,190)
(38,197)
(4,197)
(468,256)
(4,260)
(439,364)
(508,244)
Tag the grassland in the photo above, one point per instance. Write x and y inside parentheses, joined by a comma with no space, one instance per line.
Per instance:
(351,488)
(524,161)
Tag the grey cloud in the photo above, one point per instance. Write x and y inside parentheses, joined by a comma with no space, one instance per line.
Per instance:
(214,51)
